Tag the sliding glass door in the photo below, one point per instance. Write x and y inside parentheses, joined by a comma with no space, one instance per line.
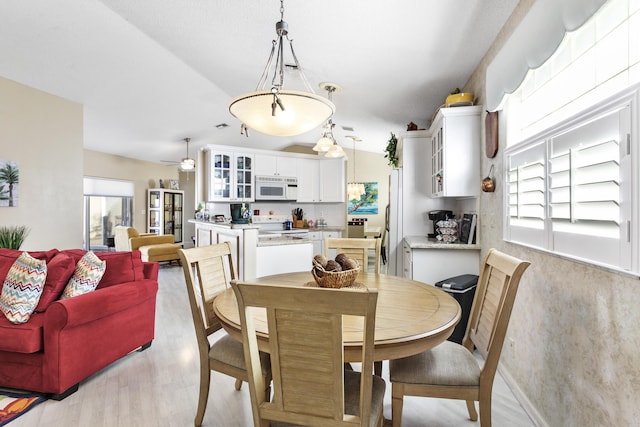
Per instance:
(107,204)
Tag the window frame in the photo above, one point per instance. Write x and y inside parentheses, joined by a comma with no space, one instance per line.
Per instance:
(544,239)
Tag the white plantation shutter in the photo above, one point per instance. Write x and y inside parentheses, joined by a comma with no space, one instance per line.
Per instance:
(527,198)
(589,217)
(570,191)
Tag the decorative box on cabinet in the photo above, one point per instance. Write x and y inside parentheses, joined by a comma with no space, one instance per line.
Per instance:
(229,176)
(455,152)
(165,213)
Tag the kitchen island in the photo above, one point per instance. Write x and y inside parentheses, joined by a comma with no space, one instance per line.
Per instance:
(254,254)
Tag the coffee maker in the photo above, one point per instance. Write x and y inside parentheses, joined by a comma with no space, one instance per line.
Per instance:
(239,213)
(437,216)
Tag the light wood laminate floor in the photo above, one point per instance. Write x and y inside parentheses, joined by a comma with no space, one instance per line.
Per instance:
(159,386)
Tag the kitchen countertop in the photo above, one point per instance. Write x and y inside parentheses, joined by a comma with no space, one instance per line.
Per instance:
(224,224)
(422,242)
(277,240)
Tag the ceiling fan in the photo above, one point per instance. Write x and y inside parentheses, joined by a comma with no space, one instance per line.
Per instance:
(187,164)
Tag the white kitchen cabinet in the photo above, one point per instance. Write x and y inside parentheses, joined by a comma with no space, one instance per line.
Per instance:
(321,181)
(430,262)
(455,152)
(268,164)
(308,181)
(229,176)
(317,238)
(243,242)
(332,181)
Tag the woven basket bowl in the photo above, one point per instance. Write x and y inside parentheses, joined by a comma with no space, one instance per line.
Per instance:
(339,279)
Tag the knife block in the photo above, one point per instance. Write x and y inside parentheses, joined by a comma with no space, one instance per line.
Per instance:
(298,223)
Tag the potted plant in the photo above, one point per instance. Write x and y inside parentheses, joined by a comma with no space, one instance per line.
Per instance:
(390,151)
(11,237)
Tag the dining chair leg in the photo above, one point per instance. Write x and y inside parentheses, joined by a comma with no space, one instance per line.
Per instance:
(485,412)
(397,396)
(471,407)
(238,384)
(205,381)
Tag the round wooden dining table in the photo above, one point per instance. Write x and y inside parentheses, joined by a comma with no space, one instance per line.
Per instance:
(411,317)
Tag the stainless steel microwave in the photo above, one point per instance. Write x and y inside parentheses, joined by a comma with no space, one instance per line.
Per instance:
(276,188)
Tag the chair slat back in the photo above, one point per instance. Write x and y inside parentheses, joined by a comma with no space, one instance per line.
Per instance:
(306,346)
(492,305)
(356,248)
(208,272)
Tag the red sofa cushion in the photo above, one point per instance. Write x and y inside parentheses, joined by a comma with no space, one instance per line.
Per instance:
(24,337)
(8,256)
(59,271)
(121,266)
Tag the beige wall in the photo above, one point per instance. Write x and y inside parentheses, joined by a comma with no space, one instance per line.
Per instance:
(370,167)
(42,133)
(144,175)
(573,340)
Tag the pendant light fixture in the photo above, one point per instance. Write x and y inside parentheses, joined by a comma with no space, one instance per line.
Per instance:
(275,110)
(355,190)
(327,140)
(327,144)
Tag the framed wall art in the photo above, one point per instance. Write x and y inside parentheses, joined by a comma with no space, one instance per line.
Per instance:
(9,179)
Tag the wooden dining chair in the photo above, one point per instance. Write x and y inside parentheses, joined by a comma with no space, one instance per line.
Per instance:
(208,271)
(310,385)
(356,248)
(450,370)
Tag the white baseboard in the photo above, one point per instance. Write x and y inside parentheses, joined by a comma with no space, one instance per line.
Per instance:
(526,404)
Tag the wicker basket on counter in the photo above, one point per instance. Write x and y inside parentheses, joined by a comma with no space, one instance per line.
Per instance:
(334,279)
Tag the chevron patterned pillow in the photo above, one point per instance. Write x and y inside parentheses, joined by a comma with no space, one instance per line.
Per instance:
(22,288)
(89,271)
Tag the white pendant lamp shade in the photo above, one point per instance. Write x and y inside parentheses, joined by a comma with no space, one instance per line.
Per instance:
(323,145)
(335,151)
(303,111)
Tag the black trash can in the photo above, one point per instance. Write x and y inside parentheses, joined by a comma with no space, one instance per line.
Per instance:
(463,289)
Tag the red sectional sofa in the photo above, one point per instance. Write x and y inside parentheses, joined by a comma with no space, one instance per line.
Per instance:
(66,341)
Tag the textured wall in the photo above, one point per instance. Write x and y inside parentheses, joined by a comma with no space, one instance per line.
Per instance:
(573,341)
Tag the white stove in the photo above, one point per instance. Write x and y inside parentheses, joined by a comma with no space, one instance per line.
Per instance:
(274,224)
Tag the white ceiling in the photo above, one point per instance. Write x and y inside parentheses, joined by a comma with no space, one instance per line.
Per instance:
(152,72)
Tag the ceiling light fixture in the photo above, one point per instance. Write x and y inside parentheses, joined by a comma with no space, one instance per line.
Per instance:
(278,111)
(327,140)
(187,163)
(355,190)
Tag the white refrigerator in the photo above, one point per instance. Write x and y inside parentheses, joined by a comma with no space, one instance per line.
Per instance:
(410,197)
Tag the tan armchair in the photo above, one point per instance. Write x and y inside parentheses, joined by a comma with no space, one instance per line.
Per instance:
(151,246)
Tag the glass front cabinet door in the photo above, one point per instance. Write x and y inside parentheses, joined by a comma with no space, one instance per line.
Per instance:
(230,176)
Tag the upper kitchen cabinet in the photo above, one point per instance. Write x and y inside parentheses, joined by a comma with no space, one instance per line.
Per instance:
(308,181)
(267,164)
(455,152)
(332,180)
(229,176)
(321,181)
